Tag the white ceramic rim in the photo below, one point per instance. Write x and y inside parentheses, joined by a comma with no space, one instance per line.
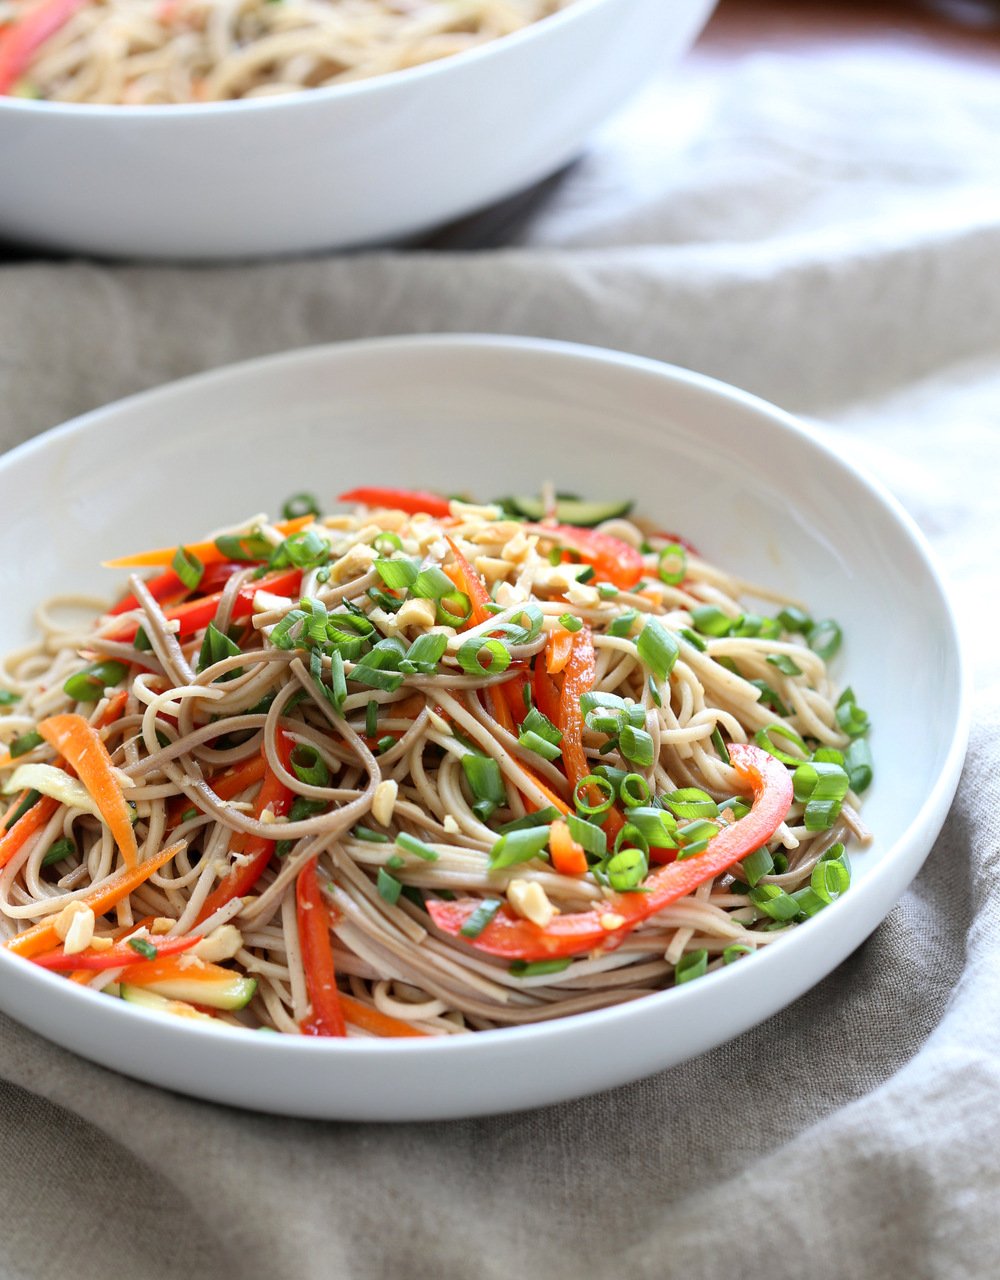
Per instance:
(469,1051)
(284,102)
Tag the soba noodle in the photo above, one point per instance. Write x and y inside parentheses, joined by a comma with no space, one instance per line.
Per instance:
(171,51)
(420,735)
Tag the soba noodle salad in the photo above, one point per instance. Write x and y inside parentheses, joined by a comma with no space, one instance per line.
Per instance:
(142,52)
(422,768)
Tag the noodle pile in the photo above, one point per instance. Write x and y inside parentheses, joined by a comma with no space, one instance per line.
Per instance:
(345,678)
(172,51)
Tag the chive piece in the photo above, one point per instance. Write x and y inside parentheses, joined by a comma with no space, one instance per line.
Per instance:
(541,818)
(636,745)
(719,744)
(384,744)
(371,718)
(58,852)
(587,834)
(570,622)
(634,790)
(536,968)
(25,743)
(299,505)
(480,918)
(582,789)
(470,657)
(309,766)
(733,952)
(657,649)
(607,590)
(691,965)
(786,665)
(672,564)
(424,654)
(627,869)
(410,844)
(654,691)
(89,684)
(29,801)
(858,763)
(825,638)
(587,575)
(389,888)
(518,846)
(372,837)
(757,864)
(143,948)
(711,621)
(188,567)
(693,639)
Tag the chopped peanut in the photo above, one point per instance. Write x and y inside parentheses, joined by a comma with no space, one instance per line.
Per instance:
(529,901)
(384,801)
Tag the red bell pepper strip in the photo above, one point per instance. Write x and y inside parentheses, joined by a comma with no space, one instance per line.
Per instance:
(20,40)
(410,500)
(117,957)
(167,584)
(313,917)
(195,615)
(578,679)
(614,560)
(256,850)
(466,579)
(607,925)
(546,692)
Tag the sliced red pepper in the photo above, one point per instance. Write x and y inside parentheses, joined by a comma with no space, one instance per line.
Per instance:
(257,850)
(578,679)
(313,917)
(117,957)
(20,40)
(607,925)
(468,580)
(409,500)
(166,585)
(614,560)
(546,691)
(195,615)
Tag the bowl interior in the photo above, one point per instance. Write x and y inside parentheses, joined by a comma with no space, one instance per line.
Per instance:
(756,492)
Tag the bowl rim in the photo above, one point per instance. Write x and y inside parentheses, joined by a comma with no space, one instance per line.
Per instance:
(289,101)
(931,812)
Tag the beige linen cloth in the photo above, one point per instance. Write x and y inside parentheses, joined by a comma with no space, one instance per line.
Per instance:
(823,232)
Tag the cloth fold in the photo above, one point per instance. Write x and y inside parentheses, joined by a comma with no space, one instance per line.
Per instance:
(823,230)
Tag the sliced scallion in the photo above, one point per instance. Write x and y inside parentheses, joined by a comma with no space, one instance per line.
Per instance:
(89,684)
(691,965)
(518,846)
(671,565)
(657,649)
(410,844)
(471,657)
(309,766)
(480,918)
(388,886)
(537,968)
(188,567)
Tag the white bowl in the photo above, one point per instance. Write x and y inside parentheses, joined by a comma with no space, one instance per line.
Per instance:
(753,488)
(359,163)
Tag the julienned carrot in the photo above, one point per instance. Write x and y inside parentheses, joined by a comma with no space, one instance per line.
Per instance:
(545,691)
(313,918)
(568,857)
(547,792)
(362,1015)
(113,711)
(558,650)
(468,580)
(78,741)
(42,936)
(232,783)
(207,552)
(28,823)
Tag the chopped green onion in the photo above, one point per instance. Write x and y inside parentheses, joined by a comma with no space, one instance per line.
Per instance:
(774,902)
(858,763)
(536,968)
(384,744)
(757,864)
(825,638)
(764,738)
(391,604)
(587,575)
(8,698)
(786,665)
(243,546)
(394,861)
(388,886)
(309,766)
(29,802)
(769,698)
(532,741)
(424,654)
(672,564)
(143,948)
(711,621)
(188,567)
(518,632)
(480,918)
(58,852)
(734,951)
(657,827)
(627,869)
(583,787)
(828,755)
(657,649)
(587,834)
(634,790)
(454,609)
(371,719)
(410,844)
(304,550)
(215,646)
(570,622)
(622,625)
(636,745)
(541,818)
(518,846)
(722,751)
(691,965)
(654,692)
(299,505)
(536,722)
(701,829)
(608,701)
(851,718)
(25,743)
(690,802)
(89,684)
(470,660)
(432,583)
(607,590)
(693,639)
(808,902)
(485,782)
(386,542)
(373,837)
(793,619)
(397,574)
(830,878)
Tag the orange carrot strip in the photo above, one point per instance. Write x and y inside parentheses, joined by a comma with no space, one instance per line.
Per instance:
(80,743)
(113,711)
(231,784)
(28,823)
(146,972)
(546,791)
(207,552)
(558,650)
(362,1015)
(42,936)
(468,580)
(568,857)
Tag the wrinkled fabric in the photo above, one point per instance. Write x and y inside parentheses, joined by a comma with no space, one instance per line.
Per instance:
(824,232)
